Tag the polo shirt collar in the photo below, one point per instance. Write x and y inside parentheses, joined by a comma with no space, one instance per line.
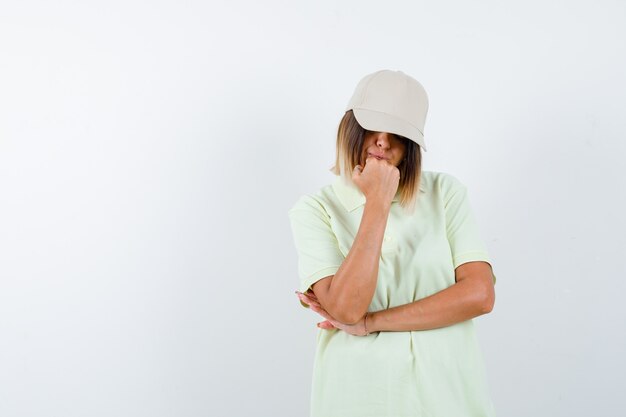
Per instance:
(351,196)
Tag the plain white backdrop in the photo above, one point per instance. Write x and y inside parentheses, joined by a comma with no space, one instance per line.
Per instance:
(150,150)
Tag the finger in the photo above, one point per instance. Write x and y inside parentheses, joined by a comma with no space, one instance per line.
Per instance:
(308,300)
(336,324)
(312,297)
(303,299)
(325,325)
(321,312)
(316,307)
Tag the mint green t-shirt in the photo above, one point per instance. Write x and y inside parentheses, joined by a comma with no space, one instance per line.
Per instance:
(426,373)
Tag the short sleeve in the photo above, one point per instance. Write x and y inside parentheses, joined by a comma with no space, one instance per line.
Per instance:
(316,244)
(462,230)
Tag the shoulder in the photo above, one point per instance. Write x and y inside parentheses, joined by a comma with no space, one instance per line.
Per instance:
(442,182)
(315,202)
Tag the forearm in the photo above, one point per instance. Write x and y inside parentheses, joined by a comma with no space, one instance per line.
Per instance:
(460,302)
(353,286)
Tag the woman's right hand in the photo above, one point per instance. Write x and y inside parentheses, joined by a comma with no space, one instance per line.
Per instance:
(378,180)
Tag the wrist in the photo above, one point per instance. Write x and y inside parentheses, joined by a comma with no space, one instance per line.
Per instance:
(369,322)
(374,322)
(378,204)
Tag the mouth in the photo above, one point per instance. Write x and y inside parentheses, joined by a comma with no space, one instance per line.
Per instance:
(377,156)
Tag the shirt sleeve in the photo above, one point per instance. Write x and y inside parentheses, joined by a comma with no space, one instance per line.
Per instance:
(462,230)
(316,244)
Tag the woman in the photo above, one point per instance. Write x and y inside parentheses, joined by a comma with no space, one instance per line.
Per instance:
(392,258)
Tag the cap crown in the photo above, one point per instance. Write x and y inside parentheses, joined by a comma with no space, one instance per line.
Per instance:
(391,101)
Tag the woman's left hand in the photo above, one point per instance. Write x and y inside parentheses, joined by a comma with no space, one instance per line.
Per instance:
(356,329)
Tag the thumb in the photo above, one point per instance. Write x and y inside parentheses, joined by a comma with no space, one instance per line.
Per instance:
(325,325)
(357,171)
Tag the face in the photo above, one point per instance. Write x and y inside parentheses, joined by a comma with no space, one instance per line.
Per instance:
(383,145)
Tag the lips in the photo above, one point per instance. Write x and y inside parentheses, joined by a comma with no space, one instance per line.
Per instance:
(377,156)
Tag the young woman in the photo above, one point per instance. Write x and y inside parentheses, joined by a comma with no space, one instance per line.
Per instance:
(391,257)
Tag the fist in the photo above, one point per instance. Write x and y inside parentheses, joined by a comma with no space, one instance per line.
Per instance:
(378,179)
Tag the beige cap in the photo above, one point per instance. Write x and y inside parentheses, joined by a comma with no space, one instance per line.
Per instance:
(391,101)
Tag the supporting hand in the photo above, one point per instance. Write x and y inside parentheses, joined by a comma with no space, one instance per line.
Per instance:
(356,329)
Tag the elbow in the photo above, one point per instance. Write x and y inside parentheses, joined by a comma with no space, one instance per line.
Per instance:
(347,316)
(342,317)
(346,313)
(353,318)
(345,306)
(488,300)
(348,320)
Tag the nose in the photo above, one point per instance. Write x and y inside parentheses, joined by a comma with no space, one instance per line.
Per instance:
(382,140)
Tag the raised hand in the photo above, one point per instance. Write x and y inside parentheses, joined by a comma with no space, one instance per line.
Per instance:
(377,180)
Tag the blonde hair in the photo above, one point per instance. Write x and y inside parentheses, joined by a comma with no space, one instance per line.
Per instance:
(350,146)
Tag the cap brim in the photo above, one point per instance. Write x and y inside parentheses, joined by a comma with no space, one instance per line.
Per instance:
(383,122)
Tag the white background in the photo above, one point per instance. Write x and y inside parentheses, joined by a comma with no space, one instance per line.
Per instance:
(150,150)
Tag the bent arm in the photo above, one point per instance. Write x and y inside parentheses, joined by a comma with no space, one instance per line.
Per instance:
(471,296)
(348,294)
